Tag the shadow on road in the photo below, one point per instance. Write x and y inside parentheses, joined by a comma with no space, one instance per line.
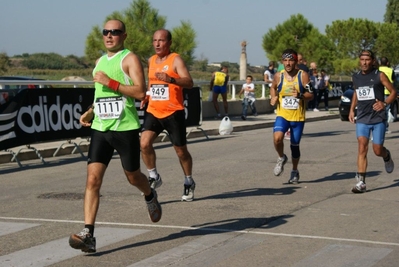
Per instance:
(250,192)
(340,176)
(225,226)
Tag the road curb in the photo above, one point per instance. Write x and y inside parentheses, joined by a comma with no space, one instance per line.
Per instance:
(70,148)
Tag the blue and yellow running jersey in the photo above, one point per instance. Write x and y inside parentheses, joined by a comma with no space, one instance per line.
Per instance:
(289,107)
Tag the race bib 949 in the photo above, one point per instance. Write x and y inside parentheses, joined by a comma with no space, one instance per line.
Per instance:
(365,93)
(159,92)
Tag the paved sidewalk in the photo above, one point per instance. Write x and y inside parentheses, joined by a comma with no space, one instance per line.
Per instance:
(209,127)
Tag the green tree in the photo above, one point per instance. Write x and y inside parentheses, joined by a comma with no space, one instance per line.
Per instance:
(297,33)
(384,45)
(200,64)
(183,42)
(392,12)
(141,22)
(4,63)
(352,36)
(349,38)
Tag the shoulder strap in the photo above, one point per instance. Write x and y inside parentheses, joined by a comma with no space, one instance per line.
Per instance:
(301,87)
(280,84)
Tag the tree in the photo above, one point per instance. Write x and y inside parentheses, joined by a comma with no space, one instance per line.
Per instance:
(183,42)
(352,36)
(297,33)
(349,38)
(384,45)
(141,22)
(392,12)
(4,63)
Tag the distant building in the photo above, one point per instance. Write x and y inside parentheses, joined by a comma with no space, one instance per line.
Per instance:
(219,65)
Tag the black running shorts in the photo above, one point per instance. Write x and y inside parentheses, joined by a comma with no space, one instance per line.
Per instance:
(174,124)
(126,143)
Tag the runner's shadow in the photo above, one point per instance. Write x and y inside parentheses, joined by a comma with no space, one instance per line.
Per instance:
(385,187)
(225,226)
(322,134)
(250,192)
(337,176)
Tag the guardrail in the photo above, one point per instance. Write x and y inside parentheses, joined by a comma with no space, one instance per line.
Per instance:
(41,83)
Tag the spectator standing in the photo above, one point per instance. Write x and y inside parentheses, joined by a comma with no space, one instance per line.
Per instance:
(248,89)
(302,63)
(119,80)
(269,73)
(371,116)
(218,86)
(314,79)
(322,86)
(289,91)
(385,68)
(167,75)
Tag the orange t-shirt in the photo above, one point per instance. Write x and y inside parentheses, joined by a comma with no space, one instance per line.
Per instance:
(165,98)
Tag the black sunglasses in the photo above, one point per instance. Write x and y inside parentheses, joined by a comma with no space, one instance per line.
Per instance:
(114,32)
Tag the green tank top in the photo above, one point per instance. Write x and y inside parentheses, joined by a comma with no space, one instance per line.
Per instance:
(114,111)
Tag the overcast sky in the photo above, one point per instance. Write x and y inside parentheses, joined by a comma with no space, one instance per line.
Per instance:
(32,26)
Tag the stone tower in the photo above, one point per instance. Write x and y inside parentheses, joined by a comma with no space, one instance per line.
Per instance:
(243,61)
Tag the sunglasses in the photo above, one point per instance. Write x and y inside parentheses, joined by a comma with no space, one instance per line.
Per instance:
(114,32)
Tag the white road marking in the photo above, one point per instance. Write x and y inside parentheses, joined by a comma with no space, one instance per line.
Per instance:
(9,228)
(212,230)
(207,250)
(344,255)
(59,250)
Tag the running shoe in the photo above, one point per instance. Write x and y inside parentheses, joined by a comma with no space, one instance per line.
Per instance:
(279,168)
(389,165)
(155,183)
(360,187)
(294,179)
(83,241)
(154,208)
(188,194)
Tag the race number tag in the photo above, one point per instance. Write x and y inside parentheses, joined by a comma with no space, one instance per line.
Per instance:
(365,93)
(290,102)
(108,108)
(159,92)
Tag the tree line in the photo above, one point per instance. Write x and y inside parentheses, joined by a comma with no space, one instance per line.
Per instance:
(336,50)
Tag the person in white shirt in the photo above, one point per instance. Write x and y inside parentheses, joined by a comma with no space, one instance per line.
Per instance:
(269,73)
(248,89)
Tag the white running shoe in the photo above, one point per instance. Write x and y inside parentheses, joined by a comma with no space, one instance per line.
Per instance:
(360,187)
(294,179)
(155,183)
(389,165)
(188,193)
(279,168)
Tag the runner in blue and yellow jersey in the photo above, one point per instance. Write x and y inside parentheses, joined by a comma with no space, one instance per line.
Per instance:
(289,91)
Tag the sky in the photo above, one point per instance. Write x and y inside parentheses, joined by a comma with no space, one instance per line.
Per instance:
(46,26)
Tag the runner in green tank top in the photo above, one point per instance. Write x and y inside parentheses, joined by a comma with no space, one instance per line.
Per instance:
(119,80)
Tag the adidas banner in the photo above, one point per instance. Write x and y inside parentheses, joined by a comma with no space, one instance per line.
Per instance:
(38,115)
(31,116)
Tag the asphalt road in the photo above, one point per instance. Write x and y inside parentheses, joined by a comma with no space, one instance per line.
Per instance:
(242,214)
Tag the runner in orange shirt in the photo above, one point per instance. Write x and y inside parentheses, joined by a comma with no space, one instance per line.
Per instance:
(167,75)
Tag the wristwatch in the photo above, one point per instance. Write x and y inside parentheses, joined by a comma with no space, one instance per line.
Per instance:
(172,80)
